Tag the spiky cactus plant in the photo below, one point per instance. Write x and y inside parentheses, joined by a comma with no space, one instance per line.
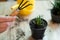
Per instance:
(38,20)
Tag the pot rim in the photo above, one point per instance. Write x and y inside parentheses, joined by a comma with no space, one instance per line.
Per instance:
(40,28)
(54,14)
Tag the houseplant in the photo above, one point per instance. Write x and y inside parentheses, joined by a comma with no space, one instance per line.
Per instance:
(38,26)
(55,11)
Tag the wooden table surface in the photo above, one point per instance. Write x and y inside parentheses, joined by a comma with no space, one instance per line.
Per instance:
(41,8)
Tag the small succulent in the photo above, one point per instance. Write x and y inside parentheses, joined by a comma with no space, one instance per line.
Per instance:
(56,6)
(37,21)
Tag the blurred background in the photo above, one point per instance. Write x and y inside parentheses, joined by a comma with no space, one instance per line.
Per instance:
(7,0)
(15,0)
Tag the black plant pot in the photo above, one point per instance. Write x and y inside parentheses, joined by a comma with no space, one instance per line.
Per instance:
(38,33)
(55,17)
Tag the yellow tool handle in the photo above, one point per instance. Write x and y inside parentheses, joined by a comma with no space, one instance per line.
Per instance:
(15,7)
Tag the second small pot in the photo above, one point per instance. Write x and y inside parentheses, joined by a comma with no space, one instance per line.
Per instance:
(54,16)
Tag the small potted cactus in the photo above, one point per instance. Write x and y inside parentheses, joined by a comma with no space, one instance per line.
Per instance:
(38,26)
(55,11)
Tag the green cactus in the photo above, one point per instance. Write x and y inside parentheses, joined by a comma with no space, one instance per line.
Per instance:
(38,20)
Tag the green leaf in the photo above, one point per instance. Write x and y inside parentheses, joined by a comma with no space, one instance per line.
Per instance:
(38,20)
